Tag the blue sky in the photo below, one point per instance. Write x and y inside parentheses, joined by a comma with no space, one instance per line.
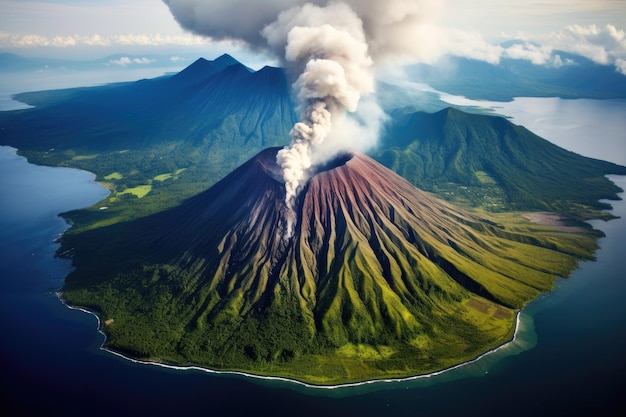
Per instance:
(96,28)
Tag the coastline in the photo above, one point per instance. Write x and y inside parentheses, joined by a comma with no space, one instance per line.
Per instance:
(381,381)
(542,218)
(290,380)
(58,292)
(563,371)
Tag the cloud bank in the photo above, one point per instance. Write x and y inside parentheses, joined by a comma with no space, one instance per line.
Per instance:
(13,41)
(602,45)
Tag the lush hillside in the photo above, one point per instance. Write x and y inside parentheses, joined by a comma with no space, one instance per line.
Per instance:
(489,162)
(196,105)
(379,280)
(162,140)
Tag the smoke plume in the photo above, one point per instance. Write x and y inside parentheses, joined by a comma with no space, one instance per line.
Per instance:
(391,27)
(330,49)
(326,47)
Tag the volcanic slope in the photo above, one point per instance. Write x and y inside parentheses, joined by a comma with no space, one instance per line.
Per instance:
(380,279)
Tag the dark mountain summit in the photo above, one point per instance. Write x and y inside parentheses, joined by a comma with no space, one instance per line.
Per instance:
(189,106)
(491,156)
(202,69)
(379,278)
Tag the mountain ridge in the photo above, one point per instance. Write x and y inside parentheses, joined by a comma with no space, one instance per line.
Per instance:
(574,77)
(202,128)
(451,146)
(202,68)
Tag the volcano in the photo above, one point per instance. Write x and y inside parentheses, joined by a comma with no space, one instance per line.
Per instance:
(379,279)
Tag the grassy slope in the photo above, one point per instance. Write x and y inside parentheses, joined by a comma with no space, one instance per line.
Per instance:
(489,162)
(402,295)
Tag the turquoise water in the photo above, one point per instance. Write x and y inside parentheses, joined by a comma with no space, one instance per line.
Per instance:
(567,359)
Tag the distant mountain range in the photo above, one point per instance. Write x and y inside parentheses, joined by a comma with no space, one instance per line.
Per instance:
(211,117)
(572,76)
(138,114)
(577,77)
(10,62)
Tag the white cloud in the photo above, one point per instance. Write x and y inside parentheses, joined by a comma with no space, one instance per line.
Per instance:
(34,40)
(538,55)
(620,64)
(122,62)
(23,41)
(159,40)
(469,45)
(125,61)
(602,45)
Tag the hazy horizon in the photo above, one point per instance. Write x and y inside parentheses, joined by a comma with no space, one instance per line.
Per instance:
(79,30)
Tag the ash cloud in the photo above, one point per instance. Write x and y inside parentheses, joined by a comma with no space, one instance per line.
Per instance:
(326,49)
(391,26)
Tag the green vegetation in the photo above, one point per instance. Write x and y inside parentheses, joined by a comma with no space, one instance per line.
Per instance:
(174,175)
(114,176)
(486,161)
(340,303)
(484,178)
(140,191)
(83,157)
(369,307)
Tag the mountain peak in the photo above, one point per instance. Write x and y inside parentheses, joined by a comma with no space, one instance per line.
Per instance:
(225,60)
(372,219)
(201,69)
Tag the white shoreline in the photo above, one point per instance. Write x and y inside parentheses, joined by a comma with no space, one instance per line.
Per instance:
(295,381)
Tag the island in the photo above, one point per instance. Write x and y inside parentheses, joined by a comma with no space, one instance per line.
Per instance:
(406,261)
